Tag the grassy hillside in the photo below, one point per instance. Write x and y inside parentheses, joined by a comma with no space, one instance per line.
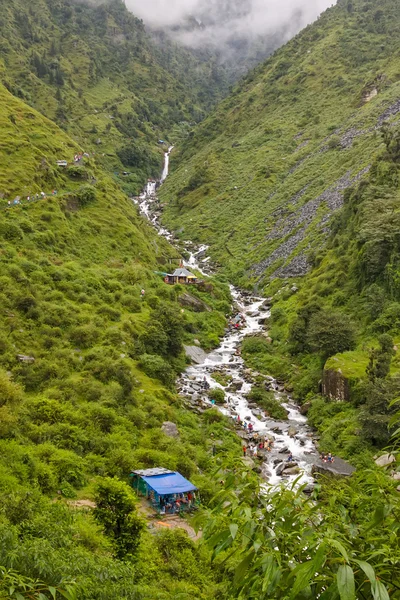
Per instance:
(259,179)
(96,72)
(343,317)
(87,370)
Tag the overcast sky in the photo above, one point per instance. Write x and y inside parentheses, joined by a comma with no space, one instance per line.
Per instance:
(256,17)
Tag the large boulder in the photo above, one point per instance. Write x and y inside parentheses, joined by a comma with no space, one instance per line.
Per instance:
(170,429)
(385,460)
(193,303)
(196,354)
(339,468)
(335,386)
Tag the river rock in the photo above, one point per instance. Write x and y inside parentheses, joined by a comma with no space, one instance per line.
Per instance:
(279,469)
(385,460)
(249,462)
(305,408)
(292,471)
(292,431)
(290,465)
(196,354)
(170,429)
(396,476)
(339,468)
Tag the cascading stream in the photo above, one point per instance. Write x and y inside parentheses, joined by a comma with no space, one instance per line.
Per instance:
(289,436)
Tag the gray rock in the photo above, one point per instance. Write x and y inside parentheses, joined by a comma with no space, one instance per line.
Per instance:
(339,468)
(385,460)
(280,468)
(193,303)
(170,429)
(196,354)
(292,471)
(25,359)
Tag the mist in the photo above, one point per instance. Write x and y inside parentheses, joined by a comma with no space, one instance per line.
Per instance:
(219,23)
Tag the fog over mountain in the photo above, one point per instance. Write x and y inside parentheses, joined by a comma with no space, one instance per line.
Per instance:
(224,24)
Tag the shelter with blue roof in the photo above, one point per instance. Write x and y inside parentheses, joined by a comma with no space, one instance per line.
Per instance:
(167,491)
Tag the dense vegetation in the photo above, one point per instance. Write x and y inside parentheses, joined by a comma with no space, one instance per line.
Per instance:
(87,370)
(97,73)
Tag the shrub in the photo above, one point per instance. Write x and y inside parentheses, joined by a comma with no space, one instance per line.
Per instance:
(157,368)
(10,231)
(10,393)
(132,303)
(255,345)
(330,333)
(155,340)
(217,394)
(213,416)
(116,512)
(86,195)
(84,336)
(268,402)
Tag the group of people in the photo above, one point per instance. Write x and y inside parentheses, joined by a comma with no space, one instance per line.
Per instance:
(327,458)
(237,322)
(175,503)
(30,198)
(257,445)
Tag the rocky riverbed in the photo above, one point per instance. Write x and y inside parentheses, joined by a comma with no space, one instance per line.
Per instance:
(289,439)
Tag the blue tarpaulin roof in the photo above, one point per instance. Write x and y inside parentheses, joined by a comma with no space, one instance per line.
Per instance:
(171,483)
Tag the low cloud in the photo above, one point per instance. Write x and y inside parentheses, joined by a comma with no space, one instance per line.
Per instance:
(221,23)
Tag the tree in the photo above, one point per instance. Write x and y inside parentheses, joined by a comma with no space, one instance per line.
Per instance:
(171,320)
(377,411)
(380,359)
(330,333)
(116,511)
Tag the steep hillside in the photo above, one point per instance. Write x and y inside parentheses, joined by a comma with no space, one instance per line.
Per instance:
(335,334)
(260,178)
(96,72)
(87,371)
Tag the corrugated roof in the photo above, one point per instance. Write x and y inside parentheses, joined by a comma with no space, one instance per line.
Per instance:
(182,272)
(153,472)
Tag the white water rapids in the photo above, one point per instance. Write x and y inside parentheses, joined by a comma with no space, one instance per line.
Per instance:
(289,436)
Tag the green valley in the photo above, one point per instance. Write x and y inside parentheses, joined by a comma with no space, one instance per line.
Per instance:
(293,182)
(115,359)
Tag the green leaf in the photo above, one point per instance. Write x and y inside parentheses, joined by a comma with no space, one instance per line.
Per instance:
(379,591)
(367,568)
(340,548)
(243,566)
(53,591)
(345,583)
(233,528)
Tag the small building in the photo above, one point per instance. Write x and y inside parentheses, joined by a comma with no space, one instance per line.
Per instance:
(181,275)
(62,163)
(168,492)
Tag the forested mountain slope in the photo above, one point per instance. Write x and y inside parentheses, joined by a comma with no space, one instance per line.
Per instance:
(87,371)
(259,179)
(96,72)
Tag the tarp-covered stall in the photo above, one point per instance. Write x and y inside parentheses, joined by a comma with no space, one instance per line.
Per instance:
(168,491)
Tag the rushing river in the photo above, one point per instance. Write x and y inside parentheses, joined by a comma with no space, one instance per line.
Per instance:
(289,436)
